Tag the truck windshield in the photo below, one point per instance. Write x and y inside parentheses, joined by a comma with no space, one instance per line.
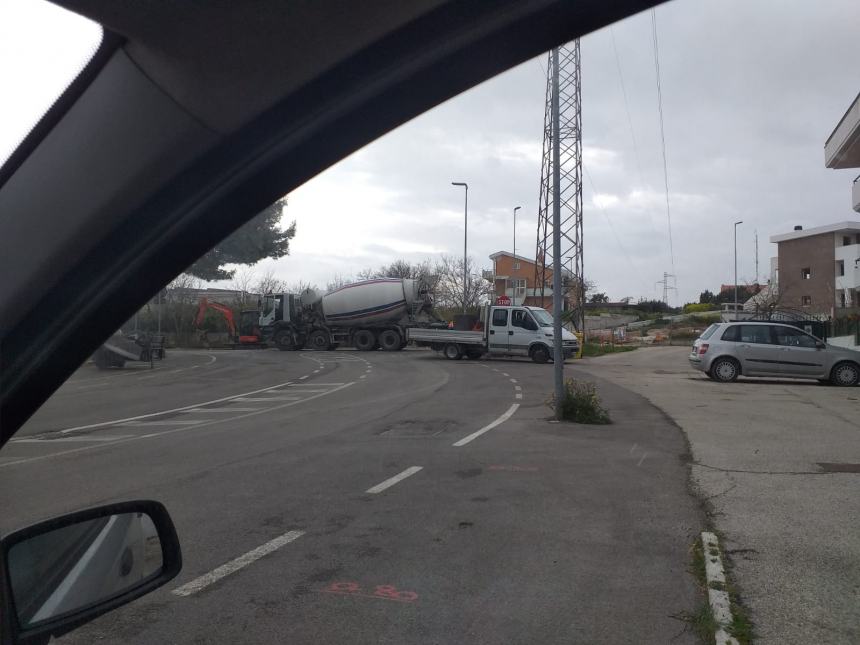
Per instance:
(543,318)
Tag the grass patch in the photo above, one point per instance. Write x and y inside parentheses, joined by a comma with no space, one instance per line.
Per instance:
(702,621)
(581,404)
(598,349)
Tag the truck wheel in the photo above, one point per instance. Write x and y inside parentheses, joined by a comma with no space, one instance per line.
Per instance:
(364,340)
(283,340)
(318,340)
(390,340)
(452,351)
(539,354)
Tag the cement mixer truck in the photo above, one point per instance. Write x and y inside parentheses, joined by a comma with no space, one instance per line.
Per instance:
(366,315)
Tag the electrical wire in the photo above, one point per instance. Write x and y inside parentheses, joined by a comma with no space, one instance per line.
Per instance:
(662,133)
(626,106)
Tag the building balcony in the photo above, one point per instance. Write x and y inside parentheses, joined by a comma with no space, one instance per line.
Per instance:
(842,149)
(855,195)
(849,256)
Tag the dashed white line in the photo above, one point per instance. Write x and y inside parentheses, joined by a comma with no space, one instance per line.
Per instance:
(80,439)
(233,566)
(221,410)
(513,380)
(507,415)
(363,376)
(505,374)
(263,399)
(161,422)
(518,388)
(518,395)
(302,378)
(388,483)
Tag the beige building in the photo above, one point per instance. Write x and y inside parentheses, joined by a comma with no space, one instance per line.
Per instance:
(818,269)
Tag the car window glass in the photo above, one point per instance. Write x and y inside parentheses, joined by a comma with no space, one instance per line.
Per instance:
(710,332)
(793,337)
(518,317)
(758,334)
(731,334)
(500,318)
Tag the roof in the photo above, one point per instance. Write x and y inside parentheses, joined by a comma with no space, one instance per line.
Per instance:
(499,254)
(853,227)
(842,148)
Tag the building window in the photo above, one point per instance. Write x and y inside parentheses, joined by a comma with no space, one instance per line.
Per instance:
(520,287)
(840,267)
(806,274)
(806,301)
(846,240)
(842,299)
(516,266)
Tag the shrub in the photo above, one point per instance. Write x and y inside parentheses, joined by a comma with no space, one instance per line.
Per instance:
(581,404)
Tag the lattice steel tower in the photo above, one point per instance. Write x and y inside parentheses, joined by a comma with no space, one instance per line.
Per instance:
(570,182)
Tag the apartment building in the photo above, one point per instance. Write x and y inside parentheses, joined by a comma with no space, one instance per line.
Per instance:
(818,269)
(514,276)
(842,148)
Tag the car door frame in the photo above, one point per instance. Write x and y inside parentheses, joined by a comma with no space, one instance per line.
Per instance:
(521,339)
(497,336)
(802,362)
(759,359)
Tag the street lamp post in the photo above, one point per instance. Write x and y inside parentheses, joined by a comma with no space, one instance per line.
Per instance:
(736,268)
(516,208)
(465,241)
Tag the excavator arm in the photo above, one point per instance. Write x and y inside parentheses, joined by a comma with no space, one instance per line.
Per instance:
(224,310)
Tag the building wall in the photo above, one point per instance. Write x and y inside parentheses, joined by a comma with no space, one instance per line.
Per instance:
(507,273)
(817,254)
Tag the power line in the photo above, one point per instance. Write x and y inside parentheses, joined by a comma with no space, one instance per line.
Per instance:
(626,105)
(662,133)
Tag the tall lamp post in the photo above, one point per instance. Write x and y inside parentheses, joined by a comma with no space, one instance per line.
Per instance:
(465,240)
(736,268)
(516,208)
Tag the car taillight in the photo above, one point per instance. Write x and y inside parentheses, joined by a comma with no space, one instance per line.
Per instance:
(703,348)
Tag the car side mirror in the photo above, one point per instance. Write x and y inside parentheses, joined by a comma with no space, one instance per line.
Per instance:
(64,572)
(820,345)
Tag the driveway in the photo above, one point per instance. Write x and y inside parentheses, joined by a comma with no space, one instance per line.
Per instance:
(778,462)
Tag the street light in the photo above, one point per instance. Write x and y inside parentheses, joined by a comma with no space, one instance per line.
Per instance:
(736,268)
(465,240)
(516,208)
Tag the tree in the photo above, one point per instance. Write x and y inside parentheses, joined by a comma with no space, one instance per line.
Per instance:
(598,298)
(268,283)
(449,289)
(339,280)
(180,302)
(260,238)
(403,269)
(706,297)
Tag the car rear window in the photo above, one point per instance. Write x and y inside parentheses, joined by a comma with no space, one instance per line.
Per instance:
(732,333)
(709,332)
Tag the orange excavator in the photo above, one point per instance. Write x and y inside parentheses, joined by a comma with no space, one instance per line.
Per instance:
(248,334)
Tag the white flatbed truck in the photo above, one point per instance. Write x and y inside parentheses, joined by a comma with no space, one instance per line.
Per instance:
(503,330)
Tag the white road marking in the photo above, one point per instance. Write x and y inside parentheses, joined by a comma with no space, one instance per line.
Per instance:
(507,415)
(363,376)
(314,384)
(219,410)
(158,414)
(74,439)
(518,395)
(163,433)
(255,399)
(161,422)
(303,377)
(233,566)
(513,380)
(518,388)
(718,598)
(388,483)
(505,374)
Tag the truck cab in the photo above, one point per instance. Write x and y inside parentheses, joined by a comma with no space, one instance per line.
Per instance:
(523,331)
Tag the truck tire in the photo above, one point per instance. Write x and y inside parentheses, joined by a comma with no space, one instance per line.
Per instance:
(364,340)
(452,351)
(283,340)
(539,354)
(390,340)
(319,340)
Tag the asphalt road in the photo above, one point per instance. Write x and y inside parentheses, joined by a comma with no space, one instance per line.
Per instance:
(368,504)
(779,462)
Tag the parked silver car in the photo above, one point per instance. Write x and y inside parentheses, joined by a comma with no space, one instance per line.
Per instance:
(726,350)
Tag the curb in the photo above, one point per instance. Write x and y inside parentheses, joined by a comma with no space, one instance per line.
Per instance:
(717,597)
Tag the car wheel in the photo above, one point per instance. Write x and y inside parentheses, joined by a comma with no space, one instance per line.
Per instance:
(845,374)
(725,370)
(452,351)
(539,354)
(390,340)
(364,340)
(318,340)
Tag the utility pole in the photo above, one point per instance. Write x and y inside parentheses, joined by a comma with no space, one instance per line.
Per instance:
(736,267)
(756,256)
(666,286)
(465,241)
(557,349)
(514,264)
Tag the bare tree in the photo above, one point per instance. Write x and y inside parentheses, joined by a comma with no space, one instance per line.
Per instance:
(269,283)
(338,281)
(300,286)
(180,302)
(449,289)
(244,281)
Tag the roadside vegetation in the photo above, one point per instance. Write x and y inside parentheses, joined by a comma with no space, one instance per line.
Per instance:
(581,404)
(599,349)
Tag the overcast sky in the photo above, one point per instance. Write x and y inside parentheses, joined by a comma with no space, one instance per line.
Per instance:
(751,91)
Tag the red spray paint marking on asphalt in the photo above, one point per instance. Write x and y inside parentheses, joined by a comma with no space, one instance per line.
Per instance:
(514,469)
(382,592)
